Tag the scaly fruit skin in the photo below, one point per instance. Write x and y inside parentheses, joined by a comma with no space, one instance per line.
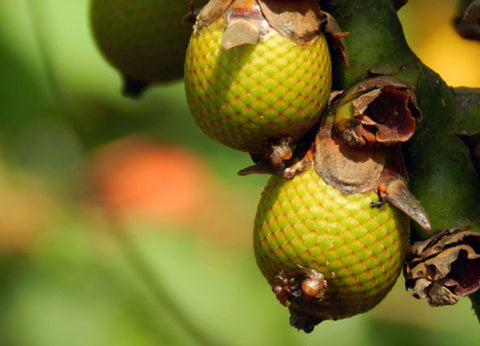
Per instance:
(246,96)
(306,223)
(143,39)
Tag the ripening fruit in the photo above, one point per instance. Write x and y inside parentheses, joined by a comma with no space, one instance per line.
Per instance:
(327,254)
(252,95)
(144,39)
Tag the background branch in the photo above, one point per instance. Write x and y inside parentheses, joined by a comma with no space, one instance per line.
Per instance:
(467,20)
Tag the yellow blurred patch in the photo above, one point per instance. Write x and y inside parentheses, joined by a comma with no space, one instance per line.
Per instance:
(429,31)
(455,59)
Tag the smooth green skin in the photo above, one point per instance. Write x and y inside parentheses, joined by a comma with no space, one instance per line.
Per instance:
(442,175)
(306,222)
(251,95)
(143,39)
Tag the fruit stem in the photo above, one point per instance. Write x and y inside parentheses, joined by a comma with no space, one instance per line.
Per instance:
(35,11)
(133,87)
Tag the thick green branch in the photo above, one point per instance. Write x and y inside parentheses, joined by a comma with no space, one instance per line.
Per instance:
(442,174)
(468,109)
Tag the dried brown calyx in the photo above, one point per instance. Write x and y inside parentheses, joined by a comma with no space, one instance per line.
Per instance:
(249,20)
(359,170)
(351,170)
(380,110)
(444,267)
(299,20)
(283,160)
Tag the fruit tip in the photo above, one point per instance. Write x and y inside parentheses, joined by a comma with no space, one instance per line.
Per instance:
(302,321)
(133,88)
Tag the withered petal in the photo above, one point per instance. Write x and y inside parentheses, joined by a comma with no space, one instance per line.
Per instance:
(382,106)
(445,267)
(240,33)
(211,11)
(298,20)
(350,169)
(391,116)
(439,295)
(361,103)
(421,288)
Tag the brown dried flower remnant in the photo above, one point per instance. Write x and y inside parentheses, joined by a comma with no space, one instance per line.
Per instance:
(301,21)
(361,169)
(444,267)
(297,292)
(377,110)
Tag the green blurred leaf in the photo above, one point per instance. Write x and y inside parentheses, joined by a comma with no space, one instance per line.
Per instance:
(384,332)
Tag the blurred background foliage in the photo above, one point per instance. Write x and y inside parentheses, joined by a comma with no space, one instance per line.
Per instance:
(75,154)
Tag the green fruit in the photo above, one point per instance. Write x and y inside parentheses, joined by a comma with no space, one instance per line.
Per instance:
(305,224)
(144,39)
(248,96)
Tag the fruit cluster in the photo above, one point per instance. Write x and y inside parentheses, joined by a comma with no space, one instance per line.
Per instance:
(332,225)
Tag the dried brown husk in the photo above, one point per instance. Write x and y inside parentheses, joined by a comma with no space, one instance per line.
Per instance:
(351,170)
(213,10)
(384,111)
(300,21)
(359,170)
(445,267)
